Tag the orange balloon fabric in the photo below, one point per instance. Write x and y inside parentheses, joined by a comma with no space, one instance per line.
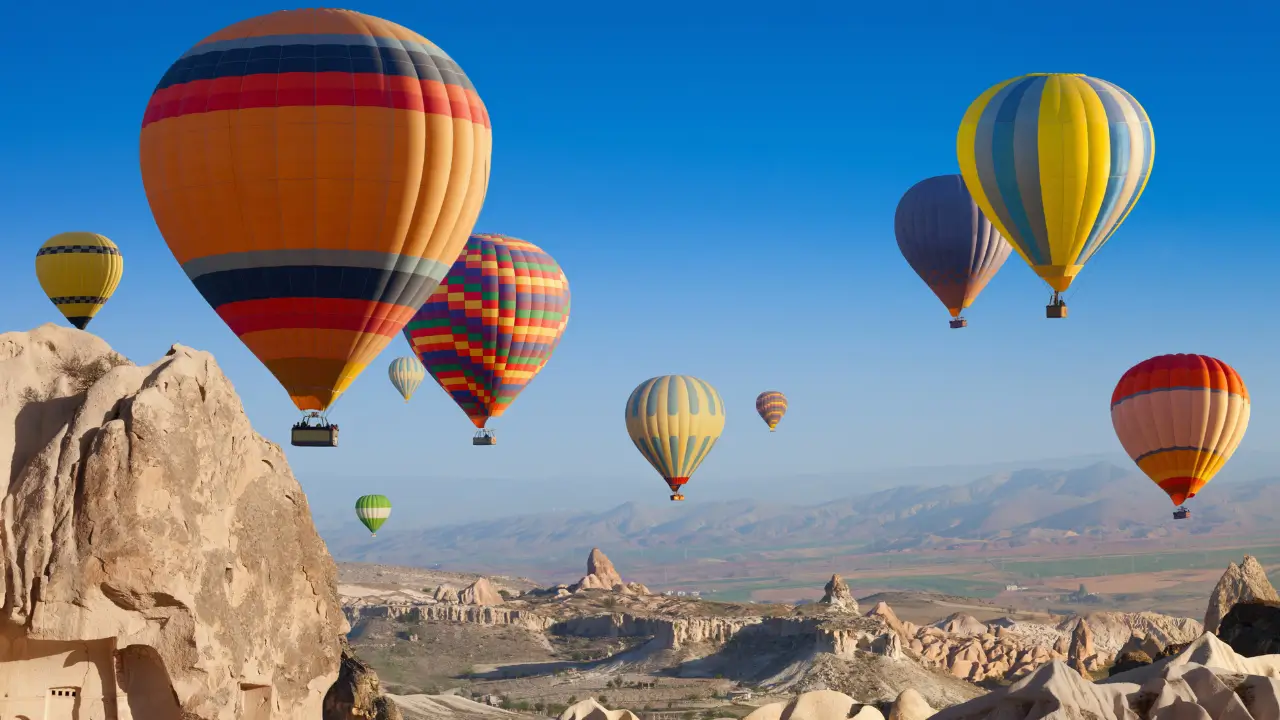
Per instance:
(316,173)
(1180,417)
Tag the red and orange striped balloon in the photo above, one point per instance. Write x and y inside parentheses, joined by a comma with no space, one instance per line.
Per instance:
(1180,417)
(316,173)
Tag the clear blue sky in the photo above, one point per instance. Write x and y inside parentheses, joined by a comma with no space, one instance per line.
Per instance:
(718,181)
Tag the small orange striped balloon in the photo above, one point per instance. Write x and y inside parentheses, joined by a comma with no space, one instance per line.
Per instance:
(1180,417)
(771,405)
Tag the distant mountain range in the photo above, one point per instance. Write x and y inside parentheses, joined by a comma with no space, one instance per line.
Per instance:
(1004,510)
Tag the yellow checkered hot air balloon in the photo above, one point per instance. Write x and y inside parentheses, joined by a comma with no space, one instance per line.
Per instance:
(1056,161)
(79,271)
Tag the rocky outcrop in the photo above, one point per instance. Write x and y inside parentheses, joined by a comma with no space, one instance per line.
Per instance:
(601,574)
(158,554)
(357,694)
(1112,630)
(1130,660)
(910,705)
(446,594)
(836,593)
(1252,628)
(1206,681)
(480,592)
(1240,583)
(1081,655)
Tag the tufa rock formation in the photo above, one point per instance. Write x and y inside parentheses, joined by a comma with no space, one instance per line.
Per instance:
(1240,583)
(160,562)
(446,593)
(1206,681)
(1252,628)
(836,593)
(480,592)
(357,694)
(602,575)
(910,705)
(1080,654)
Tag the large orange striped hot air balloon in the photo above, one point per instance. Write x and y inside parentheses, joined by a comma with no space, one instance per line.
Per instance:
(492,325)
(315,172)
(1180,417)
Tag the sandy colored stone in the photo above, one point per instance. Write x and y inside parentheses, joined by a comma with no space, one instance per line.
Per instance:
(1240,583)
(158,553)
(446,593)
(357,693)
(480,592)
(601,574)
(910,705)
(837,594)
(818,705)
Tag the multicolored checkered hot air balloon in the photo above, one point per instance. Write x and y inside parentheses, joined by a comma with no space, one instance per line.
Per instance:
(1056,161)
(315,172)
(492,325)
(674,421)
(79,271)
(771,405)
(373,510)
(1180,417)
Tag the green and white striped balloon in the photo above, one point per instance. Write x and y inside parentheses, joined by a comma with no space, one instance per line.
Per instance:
(373,510)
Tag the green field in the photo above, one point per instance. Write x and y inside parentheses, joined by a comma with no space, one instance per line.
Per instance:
(1128,564)
(946,584)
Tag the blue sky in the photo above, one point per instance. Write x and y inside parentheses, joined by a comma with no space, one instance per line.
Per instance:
(718,181)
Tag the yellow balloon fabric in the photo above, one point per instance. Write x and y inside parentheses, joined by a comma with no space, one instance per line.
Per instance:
(1056,161)
(79,271)
(674,421)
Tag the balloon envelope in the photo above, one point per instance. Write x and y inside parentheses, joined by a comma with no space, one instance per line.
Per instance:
(406,375)
(1056,161)
(315,173)
(79,271)
(1180,417)
(493,324)
(373,510)
(947,240)
(674,421)
(771,405)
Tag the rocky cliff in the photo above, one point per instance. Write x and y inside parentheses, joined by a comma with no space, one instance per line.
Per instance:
(1245,582)
(159,558)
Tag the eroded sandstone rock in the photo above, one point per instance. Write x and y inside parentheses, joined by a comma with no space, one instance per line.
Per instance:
(159,556)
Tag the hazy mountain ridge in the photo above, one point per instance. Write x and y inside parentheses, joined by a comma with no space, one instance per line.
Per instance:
(1019,507)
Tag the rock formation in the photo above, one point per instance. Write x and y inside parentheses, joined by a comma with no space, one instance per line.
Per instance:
(160,558)
(480,592)
(357,694)
(1080,654)
(1206,681)
(1252,628)
(837,594)
(910,705)
(446,593)
(1240,583)
(601,575)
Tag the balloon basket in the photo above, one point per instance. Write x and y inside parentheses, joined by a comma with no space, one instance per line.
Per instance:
(959,323)
(1181,514)
(322,435)
(484,437)
(677,497)
(1056,310)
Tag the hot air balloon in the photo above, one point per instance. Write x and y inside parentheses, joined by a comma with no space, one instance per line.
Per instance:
(1180,417)
(315,172)
(771,405)
(406,374)
(1056,161)
(373,510)
(492,325)
(79,271)
(948,241)
(675,420)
